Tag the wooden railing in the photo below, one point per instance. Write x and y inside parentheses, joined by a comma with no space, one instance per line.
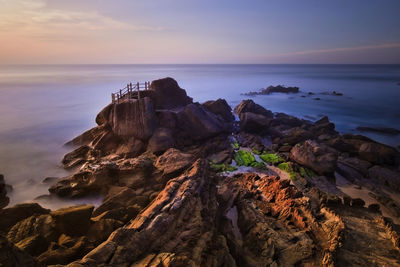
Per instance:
(129,91)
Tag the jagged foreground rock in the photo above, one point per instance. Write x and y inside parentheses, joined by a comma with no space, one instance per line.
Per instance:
(200,219)
(155,161)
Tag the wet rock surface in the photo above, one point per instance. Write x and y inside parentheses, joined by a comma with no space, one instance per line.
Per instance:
(174,192)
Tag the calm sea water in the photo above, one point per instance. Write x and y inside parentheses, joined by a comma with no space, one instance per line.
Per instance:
(42,107)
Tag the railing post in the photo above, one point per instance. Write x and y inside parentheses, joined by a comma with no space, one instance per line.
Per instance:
(112,98)
(138,90)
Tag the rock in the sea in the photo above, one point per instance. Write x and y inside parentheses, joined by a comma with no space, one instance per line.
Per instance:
(275,89)
(249,106)
(4,200)
(76,157)
(86,183)
(383,130)
(317,157)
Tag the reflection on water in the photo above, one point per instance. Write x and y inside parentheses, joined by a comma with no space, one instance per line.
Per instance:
(42,107)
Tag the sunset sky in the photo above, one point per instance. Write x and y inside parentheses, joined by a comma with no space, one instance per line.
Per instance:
(207,31)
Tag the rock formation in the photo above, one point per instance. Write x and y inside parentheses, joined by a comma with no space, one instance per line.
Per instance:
(274,89)
(167,169)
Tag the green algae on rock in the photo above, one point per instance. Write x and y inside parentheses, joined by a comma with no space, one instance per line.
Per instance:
(271,158)
(244,158)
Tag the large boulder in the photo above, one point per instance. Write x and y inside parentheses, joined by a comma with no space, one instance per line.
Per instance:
(377,153)
(124,198)
(388,177)
(174,161)
(76,157)
(33,234)
(220,107)
(135,118)
(197,123)
(10,216)
(253,123)
(161,140)
(73,221)
(4,200)
(104,115)
(87,182)
(249,106)
(317,157)
(168,95)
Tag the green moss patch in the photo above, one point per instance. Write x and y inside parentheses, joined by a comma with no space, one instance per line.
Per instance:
(235,145)
(255,151)
(271,158)
(305,172)
(258,165)
(244,158)
(287,167)
(222,167)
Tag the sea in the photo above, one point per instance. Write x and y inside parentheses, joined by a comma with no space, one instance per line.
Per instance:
(44,106)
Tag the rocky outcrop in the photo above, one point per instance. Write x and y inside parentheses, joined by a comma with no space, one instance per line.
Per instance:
(317,157)
(162,118)
(196,123)
(163,202)
(87,181)
(249,221)
(250,106)
(253,117)
(58,237)
(275,89)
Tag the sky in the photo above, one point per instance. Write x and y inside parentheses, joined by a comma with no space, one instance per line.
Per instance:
(203,32)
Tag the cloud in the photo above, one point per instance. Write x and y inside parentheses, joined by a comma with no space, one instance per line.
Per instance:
(34,19)
(340,49)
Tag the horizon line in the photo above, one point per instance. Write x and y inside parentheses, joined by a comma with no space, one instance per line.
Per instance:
(86,64)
